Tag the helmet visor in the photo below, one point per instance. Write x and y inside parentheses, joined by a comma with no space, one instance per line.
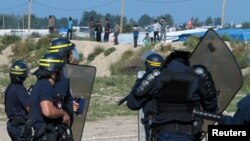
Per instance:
(75,54)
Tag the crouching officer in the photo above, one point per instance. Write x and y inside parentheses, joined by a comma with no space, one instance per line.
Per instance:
(177,90)
(17,100)
(45,113)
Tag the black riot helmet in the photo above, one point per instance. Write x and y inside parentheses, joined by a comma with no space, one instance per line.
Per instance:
(62,46)
(153,61)
(49,63)
(182,56)
(19,71)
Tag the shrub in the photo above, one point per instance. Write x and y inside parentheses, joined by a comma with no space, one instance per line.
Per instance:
(2,47)
(96,52)
(192,42)
(240,54)
(20,51)
(129,63)
(43,42)
(108,51)
(10,39)
(35,35)
(166,48)
(81,57)
(225,37)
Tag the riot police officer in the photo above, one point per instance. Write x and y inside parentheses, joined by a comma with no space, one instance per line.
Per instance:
(241,116)
(46,112)
(70,55)
(152,62)
(17,100)
(178,89)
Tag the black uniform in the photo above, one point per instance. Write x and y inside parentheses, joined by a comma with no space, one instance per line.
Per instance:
(16,100)
(177,90)
(242,115)
(48,73)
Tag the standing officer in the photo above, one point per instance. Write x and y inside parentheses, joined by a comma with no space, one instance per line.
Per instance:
(152,62)
(178,89)
(70,55)
(46,112)
(17,100)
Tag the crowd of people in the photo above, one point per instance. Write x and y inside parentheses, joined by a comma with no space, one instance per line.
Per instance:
(96,29)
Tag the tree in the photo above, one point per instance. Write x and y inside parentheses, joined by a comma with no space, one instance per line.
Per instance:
(217,21)
(168,19)
(245,25)
(209,21)
(145,20)
(196,22)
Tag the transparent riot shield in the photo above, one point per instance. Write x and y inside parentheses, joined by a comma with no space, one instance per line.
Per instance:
(81,79)
(213,53)
(141,129)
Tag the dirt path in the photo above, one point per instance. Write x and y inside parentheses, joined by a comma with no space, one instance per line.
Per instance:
(110,129)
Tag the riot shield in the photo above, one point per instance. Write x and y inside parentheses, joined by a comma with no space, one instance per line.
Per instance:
(213,53)
(141,129)
(81,79)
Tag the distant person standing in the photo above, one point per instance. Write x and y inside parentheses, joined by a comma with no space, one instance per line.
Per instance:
(70,28)
(107,30)
(92,26)
(156,27)
(98,31)
(117,31)
(135,34)
(51,24)
(163,29)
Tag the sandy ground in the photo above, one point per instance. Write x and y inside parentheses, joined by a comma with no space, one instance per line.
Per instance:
(110,129)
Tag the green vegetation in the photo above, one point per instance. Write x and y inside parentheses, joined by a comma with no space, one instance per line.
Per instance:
(192,42)
(108,51)
(97,51)
(109,90)
(10,39)
(106,93)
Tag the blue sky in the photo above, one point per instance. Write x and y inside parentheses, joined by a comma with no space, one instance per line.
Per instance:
(236,11)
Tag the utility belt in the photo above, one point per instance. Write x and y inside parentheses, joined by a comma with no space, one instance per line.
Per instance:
(49,132)
(17,121)
(175,128)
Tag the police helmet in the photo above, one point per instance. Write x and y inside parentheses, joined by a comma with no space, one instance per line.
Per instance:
(19,71)
(62,46)
(49,63)
(153,61)
(182,56)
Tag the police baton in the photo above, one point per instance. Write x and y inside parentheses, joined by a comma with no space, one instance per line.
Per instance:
(206,115)
(120,102)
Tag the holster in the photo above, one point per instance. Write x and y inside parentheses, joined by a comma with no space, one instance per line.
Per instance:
(18,121)
(26,130)
(46,133)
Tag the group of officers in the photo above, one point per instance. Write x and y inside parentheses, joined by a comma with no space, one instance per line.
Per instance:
(40,114)
(168,93)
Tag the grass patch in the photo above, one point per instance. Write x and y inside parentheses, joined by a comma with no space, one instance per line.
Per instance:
(96,52)
(106,93)
(108,51)
(232,107)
